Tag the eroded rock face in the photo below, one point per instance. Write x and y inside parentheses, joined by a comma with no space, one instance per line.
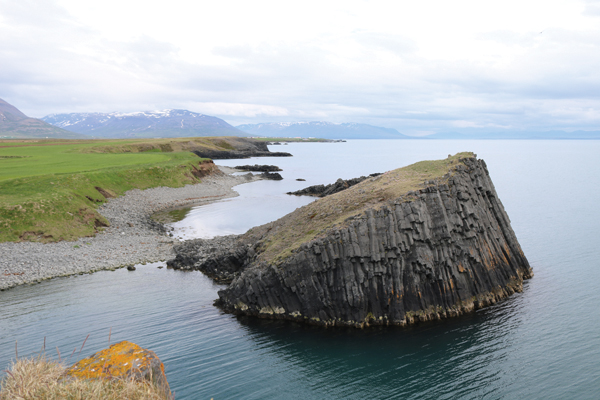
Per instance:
(221,258)
(443,250)
(124,360)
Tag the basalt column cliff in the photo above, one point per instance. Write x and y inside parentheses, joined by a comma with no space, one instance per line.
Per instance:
(428,241)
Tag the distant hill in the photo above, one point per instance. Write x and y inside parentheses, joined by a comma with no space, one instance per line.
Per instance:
(320,129)
(148,124)
(15,124)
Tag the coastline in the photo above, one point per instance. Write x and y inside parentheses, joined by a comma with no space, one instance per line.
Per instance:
(132,237)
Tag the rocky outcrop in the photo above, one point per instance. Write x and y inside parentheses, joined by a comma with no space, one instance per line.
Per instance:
(272,176)
(221,258)
(124,360)
(388,251)
(243,150)
(326,190)
(258,168)
(230,148)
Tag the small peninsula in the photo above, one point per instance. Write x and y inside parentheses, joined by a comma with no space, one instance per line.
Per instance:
(424,242)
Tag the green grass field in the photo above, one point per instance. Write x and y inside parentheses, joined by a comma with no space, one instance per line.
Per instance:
(65,159)
(50,190)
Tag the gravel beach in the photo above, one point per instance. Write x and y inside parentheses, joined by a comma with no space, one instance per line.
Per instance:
(132,237)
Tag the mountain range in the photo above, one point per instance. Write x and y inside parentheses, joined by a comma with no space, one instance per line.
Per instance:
(183,123)
(15,124)
(320,129)
(145,124)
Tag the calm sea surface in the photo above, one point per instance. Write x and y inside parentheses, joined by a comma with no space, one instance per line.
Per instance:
(543,343)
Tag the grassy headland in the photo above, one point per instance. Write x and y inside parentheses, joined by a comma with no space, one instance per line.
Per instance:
(50,189)
(315,219)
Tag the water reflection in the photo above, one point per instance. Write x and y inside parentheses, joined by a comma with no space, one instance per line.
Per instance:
(258,203)
(427,361)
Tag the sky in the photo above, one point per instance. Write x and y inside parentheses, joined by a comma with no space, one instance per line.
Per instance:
(420,67)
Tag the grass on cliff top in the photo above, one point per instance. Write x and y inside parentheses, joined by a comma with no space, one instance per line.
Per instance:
(50,190)
(315,219)
(39,378)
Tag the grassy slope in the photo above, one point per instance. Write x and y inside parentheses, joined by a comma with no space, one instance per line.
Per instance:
(334,211)
(48,188)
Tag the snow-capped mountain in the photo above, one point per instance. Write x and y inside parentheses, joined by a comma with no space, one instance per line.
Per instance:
(321,129)
(144,124)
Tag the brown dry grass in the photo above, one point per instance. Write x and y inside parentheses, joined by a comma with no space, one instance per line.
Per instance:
(40,379)
(332,212)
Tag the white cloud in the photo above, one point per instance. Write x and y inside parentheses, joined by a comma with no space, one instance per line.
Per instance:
(240,110)
(413,66)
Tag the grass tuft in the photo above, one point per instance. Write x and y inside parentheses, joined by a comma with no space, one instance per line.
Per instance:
(41,379)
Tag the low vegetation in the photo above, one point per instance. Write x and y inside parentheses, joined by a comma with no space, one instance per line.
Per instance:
(42,379)
(50,190)
(334,211)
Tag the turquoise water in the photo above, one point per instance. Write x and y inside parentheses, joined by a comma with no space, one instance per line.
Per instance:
(542,343)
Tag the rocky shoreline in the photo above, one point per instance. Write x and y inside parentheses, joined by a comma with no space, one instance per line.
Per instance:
(132,237)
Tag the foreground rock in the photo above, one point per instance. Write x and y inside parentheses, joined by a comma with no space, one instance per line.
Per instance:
(326,190)
(428,241)
(124,360)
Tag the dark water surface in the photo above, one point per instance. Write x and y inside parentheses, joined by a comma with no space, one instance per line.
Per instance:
(543,343)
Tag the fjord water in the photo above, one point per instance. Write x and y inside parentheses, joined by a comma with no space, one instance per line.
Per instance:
(542,343)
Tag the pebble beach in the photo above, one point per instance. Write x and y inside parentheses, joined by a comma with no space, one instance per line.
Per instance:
(132,237)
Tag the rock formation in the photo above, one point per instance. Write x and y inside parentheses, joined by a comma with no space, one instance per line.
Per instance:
(244,149)
(258,168)
(221,258)
(428,241)
(124,360)
(326,190)
(272,176)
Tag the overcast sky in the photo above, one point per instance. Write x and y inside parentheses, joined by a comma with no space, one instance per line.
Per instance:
(417,66)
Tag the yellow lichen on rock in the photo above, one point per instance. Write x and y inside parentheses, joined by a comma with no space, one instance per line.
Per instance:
(124,360)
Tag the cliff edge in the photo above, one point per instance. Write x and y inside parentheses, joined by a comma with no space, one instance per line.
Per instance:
(428,241)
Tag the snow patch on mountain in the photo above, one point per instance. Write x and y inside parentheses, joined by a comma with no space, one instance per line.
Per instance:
(158,123)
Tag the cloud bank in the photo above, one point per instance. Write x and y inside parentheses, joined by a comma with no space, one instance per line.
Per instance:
(419,68)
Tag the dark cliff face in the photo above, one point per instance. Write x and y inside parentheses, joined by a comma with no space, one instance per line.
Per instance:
(240,148)
(443,250)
